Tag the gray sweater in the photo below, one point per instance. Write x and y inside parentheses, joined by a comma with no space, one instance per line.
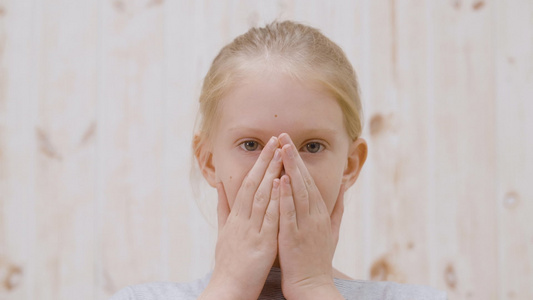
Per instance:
(350,289)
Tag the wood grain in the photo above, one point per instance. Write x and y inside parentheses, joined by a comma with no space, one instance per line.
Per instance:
(131,206)
(65,153)
(514,75)
(98,101)
(465,248)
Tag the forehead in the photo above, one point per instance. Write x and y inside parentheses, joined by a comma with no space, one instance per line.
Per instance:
(275,102)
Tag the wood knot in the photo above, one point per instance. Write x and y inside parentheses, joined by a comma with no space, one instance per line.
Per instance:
(89,133)
(450,277)
(45,145)
(377,124)
(381,270)
(478,5)
(119,6)
(154,3)
(12,277)
(511,200)
(410,245)
(457,4)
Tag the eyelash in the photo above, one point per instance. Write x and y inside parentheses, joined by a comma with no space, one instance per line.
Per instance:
(259,147)
(243,145)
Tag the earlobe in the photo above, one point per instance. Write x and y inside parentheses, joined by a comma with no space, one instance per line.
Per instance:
(356,159)
(204,157)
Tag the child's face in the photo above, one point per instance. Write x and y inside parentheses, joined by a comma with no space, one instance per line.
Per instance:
(256,110)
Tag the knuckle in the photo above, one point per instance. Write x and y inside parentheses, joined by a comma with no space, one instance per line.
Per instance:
(308,181)
(249,183)
(291,214)
(259,197)
(301,194)
(324,218)
(270,217)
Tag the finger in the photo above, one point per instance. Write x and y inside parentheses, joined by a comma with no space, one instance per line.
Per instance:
(254,177)
(336,214)
(271,219)
(299,189)
(263,193)
(287,211)
(223,206)
(316,204)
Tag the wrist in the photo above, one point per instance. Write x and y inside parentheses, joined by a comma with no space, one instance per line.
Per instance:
(225,288)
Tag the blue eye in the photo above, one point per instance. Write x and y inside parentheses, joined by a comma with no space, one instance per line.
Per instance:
(250,145)
(314,147)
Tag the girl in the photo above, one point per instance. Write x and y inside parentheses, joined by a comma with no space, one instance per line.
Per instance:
(279,138)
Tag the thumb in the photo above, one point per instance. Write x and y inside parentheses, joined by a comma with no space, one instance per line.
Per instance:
(223,206)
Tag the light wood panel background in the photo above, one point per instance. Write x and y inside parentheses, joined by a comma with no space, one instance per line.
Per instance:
(97,105)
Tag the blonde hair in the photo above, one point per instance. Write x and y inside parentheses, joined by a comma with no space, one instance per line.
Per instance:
(299,50)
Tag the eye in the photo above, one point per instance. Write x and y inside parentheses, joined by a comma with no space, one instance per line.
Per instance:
(314,147)
(250,145)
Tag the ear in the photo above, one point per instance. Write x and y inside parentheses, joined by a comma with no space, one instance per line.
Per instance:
(356,159)
(204,157)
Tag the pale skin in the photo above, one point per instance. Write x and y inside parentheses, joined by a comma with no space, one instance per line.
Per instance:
(281,160)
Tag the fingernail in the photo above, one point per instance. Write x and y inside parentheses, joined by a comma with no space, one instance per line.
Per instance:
(284,136)
(277,155)
(286,179)
(276,183)
(289,150)
(272,141)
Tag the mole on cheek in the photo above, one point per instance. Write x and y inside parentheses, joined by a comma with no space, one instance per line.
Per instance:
(275,116)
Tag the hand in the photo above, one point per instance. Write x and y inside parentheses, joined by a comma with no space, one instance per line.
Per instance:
(308,235)
(247,242)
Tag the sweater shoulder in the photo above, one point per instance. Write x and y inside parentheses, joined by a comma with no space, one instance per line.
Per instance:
(386,290)
(163,290)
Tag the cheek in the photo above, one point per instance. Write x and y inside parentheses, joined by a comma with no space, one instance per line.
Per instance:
(328,180)
(232,173)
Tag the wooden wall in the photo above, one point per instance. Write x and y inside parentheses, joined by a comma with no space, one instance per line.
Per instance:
(97,105)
